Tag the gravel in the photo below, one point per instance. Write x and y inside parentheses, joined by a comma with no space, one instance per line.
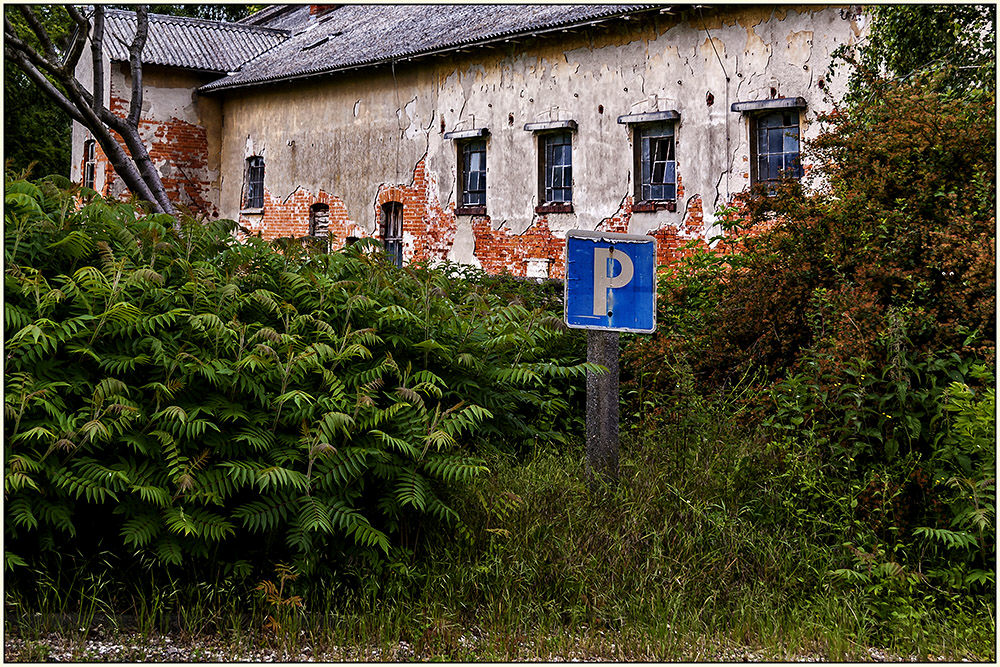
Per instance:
(102,646)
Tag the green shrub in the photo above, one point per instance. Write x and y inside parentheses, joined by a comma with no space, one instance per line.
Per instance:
(172,391)
(854,321)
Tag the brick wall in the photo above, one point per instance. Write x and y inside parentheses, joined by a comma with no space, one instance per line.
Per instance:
(289,216)
(179,151)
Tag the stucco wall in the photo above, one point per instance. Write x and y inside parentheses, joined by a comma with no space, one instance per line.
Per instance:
(353,136)
(181,130)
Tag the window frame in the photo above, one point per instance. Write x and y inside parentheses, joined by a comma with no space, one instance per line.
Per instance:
(546,171)
(89,179)
(391,214)
(313,210)
(641,132)
(464,150)
(772,183)
(255,186)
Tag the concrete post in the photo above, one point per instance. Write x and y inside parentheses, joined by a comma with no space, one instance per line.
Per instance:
(602,406)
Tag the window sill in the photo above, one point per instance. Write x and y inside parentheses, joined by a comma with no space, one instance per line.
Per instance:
(470,210)
(252,211)
(653,206)
(555,207)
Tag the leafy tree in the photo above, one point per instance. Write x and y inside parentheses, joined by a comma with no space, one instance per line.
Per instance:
(36,130)
(913,40)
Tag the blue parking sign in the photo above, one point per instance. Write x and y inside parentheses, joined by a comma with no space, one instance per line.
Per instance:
(610,281)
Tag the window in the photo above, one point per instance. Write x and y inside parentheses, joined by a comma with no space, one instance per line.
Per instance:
(472,176)
(89,164)
(255,182)
(656,166)
(319,220)
(774,148)
(556,169)
(392,231)
(471,183)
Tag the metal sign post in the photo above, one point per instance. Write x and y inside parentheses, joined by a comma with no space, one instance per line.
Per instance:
(610,287)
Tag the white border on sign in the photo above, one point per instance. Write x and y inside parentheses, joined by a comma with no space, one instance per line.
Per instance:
(611,237)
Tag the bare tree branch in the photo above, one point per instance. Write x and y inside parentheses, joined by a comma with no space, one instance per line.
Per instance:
(40,32)
(13,41)
(79,41)
(135,63)
(78,18)
(80,34)
(97,56)
(42,82)
(58,80)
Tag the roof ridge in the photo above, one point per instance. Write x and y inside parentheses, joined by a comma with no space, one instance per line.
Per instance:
(211,23)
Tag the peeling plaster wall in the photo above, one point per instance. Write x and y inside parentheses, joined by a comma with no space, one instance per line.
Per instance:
(375,136)
(181,130)
(79,134)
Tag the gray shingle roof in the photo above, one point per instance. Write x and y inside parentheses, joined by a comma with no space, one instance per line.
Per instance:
(359,35)
(200,44)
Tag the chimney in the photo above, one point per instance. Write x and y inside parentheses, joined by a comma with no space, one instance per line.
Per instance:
(317,10)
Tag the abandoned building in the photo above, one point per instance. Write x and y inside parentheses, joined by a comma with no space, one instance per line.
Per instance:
(474,133)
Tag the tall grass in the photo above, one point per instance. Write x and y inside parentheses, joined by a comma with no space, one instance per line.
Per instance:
(682,560)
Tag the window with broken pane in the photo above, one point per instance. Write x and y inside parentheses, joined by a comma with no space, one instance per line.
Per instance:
(319,220)
(557,166)
(775,147)
(472,163)
(255,182)
(392,231)
(89,163)
(657,166)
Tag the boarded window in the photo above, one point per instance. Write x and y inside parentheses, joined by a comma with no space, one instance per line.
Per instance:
(89,164)
(255,182)
(656,165)
(319,221)
(392,231)
(472,172)
(556,170)
(774,144)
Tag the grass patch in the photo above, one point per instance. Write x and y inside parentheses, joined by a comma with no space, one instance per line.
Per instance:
(679,561)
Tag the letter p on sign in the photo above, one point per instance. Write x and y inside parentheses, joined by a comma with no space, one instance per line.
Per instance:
(610,281)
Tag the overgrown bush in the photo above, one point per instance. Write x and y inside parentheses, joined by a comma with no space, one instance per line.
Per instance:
(175,393)
(855,321)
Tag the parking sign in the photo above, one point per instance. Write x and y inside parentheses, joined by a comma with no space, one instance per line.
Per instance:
(610,281)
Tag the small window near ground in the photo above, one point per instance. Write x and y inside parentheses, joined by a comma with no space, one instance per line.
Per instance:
(656,165)
(255,182)
(472,174)
(319,221)
(392,231)
(774,146)
(89,163)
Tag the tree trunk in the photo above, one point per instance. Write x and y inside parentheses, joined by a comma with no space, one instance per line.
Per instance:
(55,76)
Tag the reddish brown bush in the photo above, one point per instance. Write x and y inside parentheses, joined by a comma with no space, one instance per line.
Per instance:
(892,237)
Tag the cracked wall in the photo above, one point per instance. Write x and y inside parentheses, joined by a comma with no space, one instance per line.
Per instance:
(377,135)
(181,130)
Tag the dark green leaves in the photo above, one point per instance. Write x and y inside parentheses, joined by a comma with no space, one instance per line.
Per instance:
(173,391)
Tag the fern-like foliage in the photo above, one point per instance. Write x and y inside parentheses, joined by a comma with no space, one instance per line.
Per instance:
(174,390)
